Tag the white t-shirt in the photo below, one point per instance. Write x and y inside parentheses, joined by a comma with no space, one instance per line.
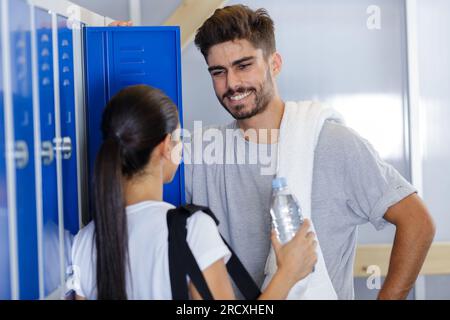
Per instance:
(148,251)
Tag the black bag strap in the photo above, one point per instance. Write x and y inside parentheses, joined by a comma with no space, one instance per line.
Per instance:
(182,261)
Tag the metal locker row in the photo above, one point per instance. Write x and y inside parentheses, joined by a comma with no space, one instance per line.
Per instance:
(49,67)
(40,199)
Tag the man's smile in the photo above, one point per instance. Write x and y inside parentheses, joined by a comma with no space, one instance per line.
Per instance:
(240,96)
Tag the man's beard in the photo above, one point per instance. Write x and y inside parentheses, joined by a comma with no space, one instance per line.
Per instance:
(263,96)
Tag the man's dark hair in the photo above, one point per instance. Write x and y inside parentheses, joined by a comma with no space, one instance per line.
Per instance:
(235,23)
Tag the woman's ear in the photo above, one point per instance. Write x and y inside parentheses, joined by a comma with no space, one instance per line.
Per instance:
(166,147)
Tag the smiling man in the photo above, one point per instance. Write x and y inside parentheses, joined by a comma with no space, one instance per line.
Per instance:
(351,185)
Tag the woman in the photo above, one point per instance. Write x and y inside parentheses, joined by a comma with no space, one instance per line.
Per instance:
(123,252)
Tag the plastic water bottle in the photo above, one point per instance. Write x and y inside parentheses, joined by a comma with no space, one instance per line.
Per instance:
(285,211)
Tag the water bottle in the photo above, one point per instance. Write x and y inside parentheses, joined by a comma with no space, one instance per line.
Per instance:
(285,211)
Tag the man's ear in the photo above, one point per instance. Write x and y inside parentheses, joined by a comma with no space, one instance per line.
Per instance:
(276,63)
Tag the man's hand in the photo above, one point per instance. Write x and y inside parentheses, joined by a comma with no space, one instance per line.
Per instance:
(413,237)
(121,23)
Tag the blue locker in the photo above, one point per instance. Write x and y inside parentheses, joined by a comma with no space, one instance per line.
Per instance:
(68,125)
(21,81)
(118,57)
(5,287)
(50,221)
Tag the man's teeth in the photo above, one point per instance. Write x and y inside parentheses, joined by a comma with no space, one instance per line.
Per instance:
(240,96)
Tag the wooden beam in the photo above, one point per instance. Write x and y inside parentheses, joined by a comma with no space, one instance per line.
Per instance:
(436,263)
(190,15)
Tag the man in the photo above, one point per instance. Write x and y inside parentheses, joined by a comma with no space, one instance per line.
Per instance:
(351,184)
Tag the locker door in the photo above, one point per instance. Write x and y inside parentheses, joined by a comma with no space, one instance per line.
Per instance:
(21,82)
(68,126)
(119,57)
(50,221)
(5,288)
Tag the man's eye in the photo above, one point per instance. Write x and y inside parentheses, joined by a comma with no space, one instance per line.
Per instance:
(216,73)
(244,66)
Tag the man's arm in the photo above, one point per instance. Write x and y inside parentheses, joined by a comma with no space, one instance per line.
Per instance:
(413,237)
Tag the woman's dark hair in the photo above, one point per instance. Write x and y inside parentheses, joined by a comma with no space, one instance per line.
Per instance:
(134,122)
(234,23)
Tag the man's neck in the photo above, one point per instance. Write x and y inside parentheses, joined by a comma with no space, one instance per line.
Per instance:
(266,124)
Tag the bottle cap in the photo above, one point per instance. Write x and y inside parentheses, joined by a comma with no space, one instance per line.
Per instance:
(279,183)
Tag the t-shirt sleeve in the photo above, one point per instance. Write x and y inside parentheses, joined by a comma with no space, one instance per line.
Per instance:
(81,278)
(205,241)
(74,279)
(371,184)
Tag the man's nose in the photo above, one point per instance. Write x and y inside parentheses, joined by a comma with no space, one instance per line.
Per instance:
(233,81)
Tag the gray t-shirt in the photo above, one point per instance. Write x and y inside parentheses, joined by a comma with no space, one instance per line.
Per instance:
(351,186)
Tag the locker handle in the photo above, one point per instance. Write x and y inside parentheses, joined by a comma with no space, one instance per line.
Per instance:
(63,145)
(47,152)
(21,154)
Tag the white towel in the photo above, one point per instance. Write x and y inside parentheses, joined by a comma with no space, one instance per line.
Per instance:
(299,132)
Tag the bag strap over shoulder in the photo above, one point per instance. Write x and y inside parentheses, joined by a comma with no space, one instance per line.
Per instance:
(182,261)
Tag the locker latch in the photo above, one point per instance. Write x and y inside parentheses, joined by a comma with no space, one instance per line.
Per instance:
(47,152)
(21,154)
(64,145)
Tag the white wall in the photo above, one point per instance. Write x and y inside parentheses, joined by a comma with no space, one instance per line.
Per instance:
(434,76)
(156,12)
(115,9)
(434,100)
(153,12)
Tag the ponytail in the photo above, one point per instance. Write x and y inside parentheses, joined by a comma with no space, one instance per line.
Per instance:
(111,237)
(134,122)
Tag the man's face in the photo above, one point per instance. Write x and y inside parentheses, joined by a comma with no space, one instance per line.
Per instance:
(241,78)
